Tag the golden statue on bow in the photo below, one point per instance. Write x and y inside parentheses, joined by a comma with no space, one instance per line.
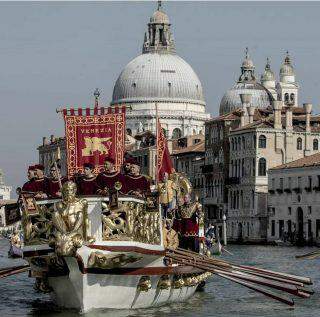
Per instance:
(69,221)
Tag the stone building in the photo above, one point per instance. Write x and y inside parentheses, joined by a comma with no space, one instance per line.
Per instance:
(294,201)
(5,193)
(261,126)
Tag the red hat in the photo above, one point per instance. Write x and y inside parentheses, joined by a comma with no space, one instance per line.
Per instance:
(109,159)
(31,168)
(39,167)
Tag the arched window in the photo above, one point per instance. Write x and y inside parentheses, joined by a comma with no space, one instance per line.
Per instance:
(315,145)
(299,144)
(243,143)
(291,97)
(176,133)
(262,166)
(286,97)
(262,142)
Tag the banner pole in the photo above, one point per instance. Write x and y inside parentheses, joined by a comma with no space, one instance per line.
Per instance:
(157,150)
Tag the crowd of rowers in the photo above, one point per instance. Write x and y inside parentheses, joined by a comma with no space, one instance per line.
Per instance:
(132,182)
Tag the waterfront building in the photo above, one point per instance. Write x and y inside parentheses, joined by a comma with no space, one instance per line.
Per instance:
(258,129)
(5,193)
(294,200)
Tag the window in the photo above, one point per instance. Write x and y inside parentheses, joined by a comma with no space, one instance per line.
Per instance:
(289,211)
(281,183)
(262,142)
(286,97)
(262,167)
(299,144)
(309,210)
(273,183)
(310,182)
(289,182)
(292,97)
(273,227)
(315,145)
(243,143)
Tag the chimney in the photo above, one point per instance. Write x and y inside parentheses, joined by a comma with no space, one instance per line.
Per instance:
(277,107)
(307,108)
(250,111)
(44,141)
(289,118)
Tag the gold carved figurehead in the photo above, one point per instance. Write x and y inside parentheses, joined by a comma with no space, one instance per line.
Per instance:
(69,221)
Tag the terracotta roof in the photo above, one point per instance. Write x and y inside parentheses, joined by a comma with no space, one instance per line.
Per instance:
(198,147)
(307,161)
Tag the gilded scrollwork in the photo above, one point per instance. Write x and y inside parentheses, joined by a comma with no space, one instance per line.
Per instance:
(110,261)
(37,228)
(131,221)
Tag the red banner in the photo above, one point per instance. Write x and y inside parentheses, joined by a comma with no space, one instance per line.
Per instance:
(164,158)
(92,137)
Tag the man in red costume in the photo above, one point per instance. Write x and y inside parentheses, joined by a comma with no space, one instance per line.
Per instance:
(29,185)
(136,183)
(107,179)
(87,183)
(52,186)
(39,182)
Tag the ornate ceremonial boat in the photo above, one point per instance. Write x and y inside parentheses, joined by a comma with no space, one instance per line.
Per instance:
(103,252)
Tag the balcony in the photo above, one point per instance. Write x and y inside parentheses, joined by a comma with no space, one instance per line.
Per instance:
(316,188)
(233,181)
(287,190)
(297,190)
(279,190)
(271,191)
(308,189)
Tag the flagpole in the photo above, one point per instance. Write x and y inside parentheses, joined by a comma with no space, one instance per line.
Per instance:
(157,139)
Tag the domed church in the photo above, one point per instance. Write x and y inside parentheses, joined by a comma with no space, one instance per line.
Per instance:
(160,81)
(264,92)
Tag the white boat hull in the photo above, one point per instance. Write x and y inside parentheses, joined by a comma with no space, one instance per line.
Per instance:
(95,291)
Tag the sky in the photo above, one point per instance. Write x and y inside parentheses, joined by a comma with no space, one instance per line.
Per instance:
(54,54)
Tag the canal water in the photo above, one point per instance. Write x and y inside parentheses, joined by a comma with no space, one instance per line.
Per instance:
(221,298)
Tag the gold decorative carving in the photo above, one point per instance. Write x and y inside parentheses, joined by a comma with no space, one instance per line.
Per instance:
(131,221)
(178,282)
(110,261)
(164,282)
(69,222)
(36,227)
(144,284)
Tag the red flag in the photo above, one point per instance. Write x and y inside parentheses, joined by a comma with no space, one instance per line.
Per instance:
(92,138)
(163,154)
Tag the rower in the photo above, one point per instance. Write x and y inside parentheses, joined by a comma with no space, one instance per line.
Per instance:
(39,182)
(52,186)
(29,185)
(107,179)
(87,182)
(166,191)
(126,165)
(136,183)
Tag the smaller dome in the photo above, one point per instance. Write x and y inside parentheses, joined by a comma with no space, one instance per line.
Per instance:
(268,74)
(287,69)
(159,17)
(248,63)
(260,97)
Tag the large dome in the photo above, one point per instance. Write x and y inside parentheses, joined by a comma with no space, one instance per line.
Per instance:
(260,97)
(158,77)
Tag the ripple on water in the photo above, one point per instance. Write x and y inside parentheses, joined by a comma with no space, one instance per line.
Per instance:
(222,298)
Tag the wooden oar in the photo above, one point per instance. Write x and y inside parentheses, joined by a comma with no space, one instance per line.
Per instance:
(266,292)
(295,278)
(243,276)
(259,289)
(4,272)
